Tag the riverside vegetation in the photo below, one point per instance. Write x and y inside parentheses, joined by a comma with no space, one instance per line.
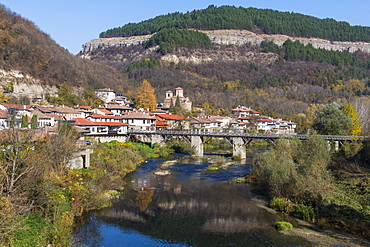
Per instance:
(40,197)
(304,179)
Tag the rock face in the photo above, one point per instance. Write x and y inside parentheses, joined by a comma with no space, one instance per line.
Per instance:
(230,54)
(117,41)
(233,37)
(19,84)
(242,37)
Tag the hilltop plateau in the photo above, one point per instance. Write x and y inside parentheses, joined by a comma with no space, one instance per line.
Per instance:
(233,37)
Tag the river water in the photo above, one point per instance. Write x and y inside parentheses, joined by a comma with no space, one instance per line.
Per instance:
(189,207)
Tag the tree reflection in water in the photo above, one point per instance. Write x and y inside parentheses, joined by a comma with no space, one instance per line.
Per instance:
(190,210)
(144,197)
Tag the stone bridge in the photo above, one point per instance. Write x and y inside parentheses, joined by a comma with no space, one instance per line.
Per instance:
(236,139)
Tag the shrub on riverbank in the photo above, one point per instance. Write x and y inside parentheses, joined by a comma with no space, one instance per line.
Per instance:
(343,202)
(216,145)
(179,146)
(113,160)
(295,170)
(282,225)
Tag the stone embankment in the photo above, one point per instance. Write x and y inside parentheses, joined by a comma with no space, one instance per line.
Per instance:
(233,37)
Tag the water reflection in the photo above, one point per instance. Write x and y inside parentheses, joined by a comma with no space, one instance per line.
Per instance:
(189,207)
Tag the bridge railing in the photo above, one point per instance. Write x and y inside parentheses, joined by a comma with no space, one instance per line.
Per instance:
(238,134)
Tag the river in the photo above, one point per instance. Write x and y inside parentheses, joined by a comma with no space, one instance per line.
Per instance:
(191,206)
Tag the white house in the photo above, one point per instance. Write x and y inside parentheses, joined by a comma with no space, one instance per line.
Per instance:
(105,94)
(242,111)
(266,124)
(206,123)
(122,100)
(139,120)
(100,128)
(15,108)
(67,112)
(278,126)
(103,118)
(4,117)
(42,119)
(224,122)
(117,109)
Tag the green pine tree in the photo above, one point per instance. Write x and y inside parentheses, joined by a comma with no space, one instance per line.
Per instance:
(24,123)
(34,123)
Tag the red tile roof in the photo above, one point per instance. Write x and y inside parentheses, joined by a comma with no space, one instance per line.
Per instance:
(3,114)
(118,107)
(218,117)
(242,109)
(172,117)
(40,115)
(84,107)
(45,109)
(137,115)
(105,111)
(210,120)
(159,112)
(66,110)
(95,115)
(163,107)
(111,123)
(160,123)
(265,120)
(16,106)
(56,117)
(82,121)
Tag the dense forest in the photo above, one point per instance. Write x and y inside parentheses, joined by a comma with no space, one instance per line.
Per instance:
(169,39)
(230,17)
(25,48)
(298,51)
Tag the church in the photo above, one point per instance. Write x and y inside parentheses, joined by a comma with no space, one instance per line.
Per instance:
(171,97)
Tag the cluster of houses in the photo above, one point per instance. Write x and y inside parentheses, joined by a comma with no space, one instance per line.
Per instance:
(118,116)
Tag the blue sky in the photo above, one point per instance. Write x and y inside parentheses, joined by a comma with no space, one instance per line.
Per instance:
(73,22)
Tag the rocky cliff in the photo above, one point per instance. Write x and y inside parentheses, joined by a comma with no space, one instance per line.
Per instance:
(17,84)
(233,37)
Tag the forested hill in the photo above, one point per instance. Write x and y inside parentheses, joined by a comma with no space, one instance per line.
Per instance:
(32,53)
(263,20)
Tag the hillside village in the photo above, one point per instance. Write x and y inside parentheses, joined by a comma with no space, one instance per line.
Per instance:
(119,116)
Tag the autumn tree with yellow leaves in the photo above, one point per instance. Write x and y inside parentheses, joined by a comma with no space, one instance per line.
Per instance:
(350,110)
(146,97)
